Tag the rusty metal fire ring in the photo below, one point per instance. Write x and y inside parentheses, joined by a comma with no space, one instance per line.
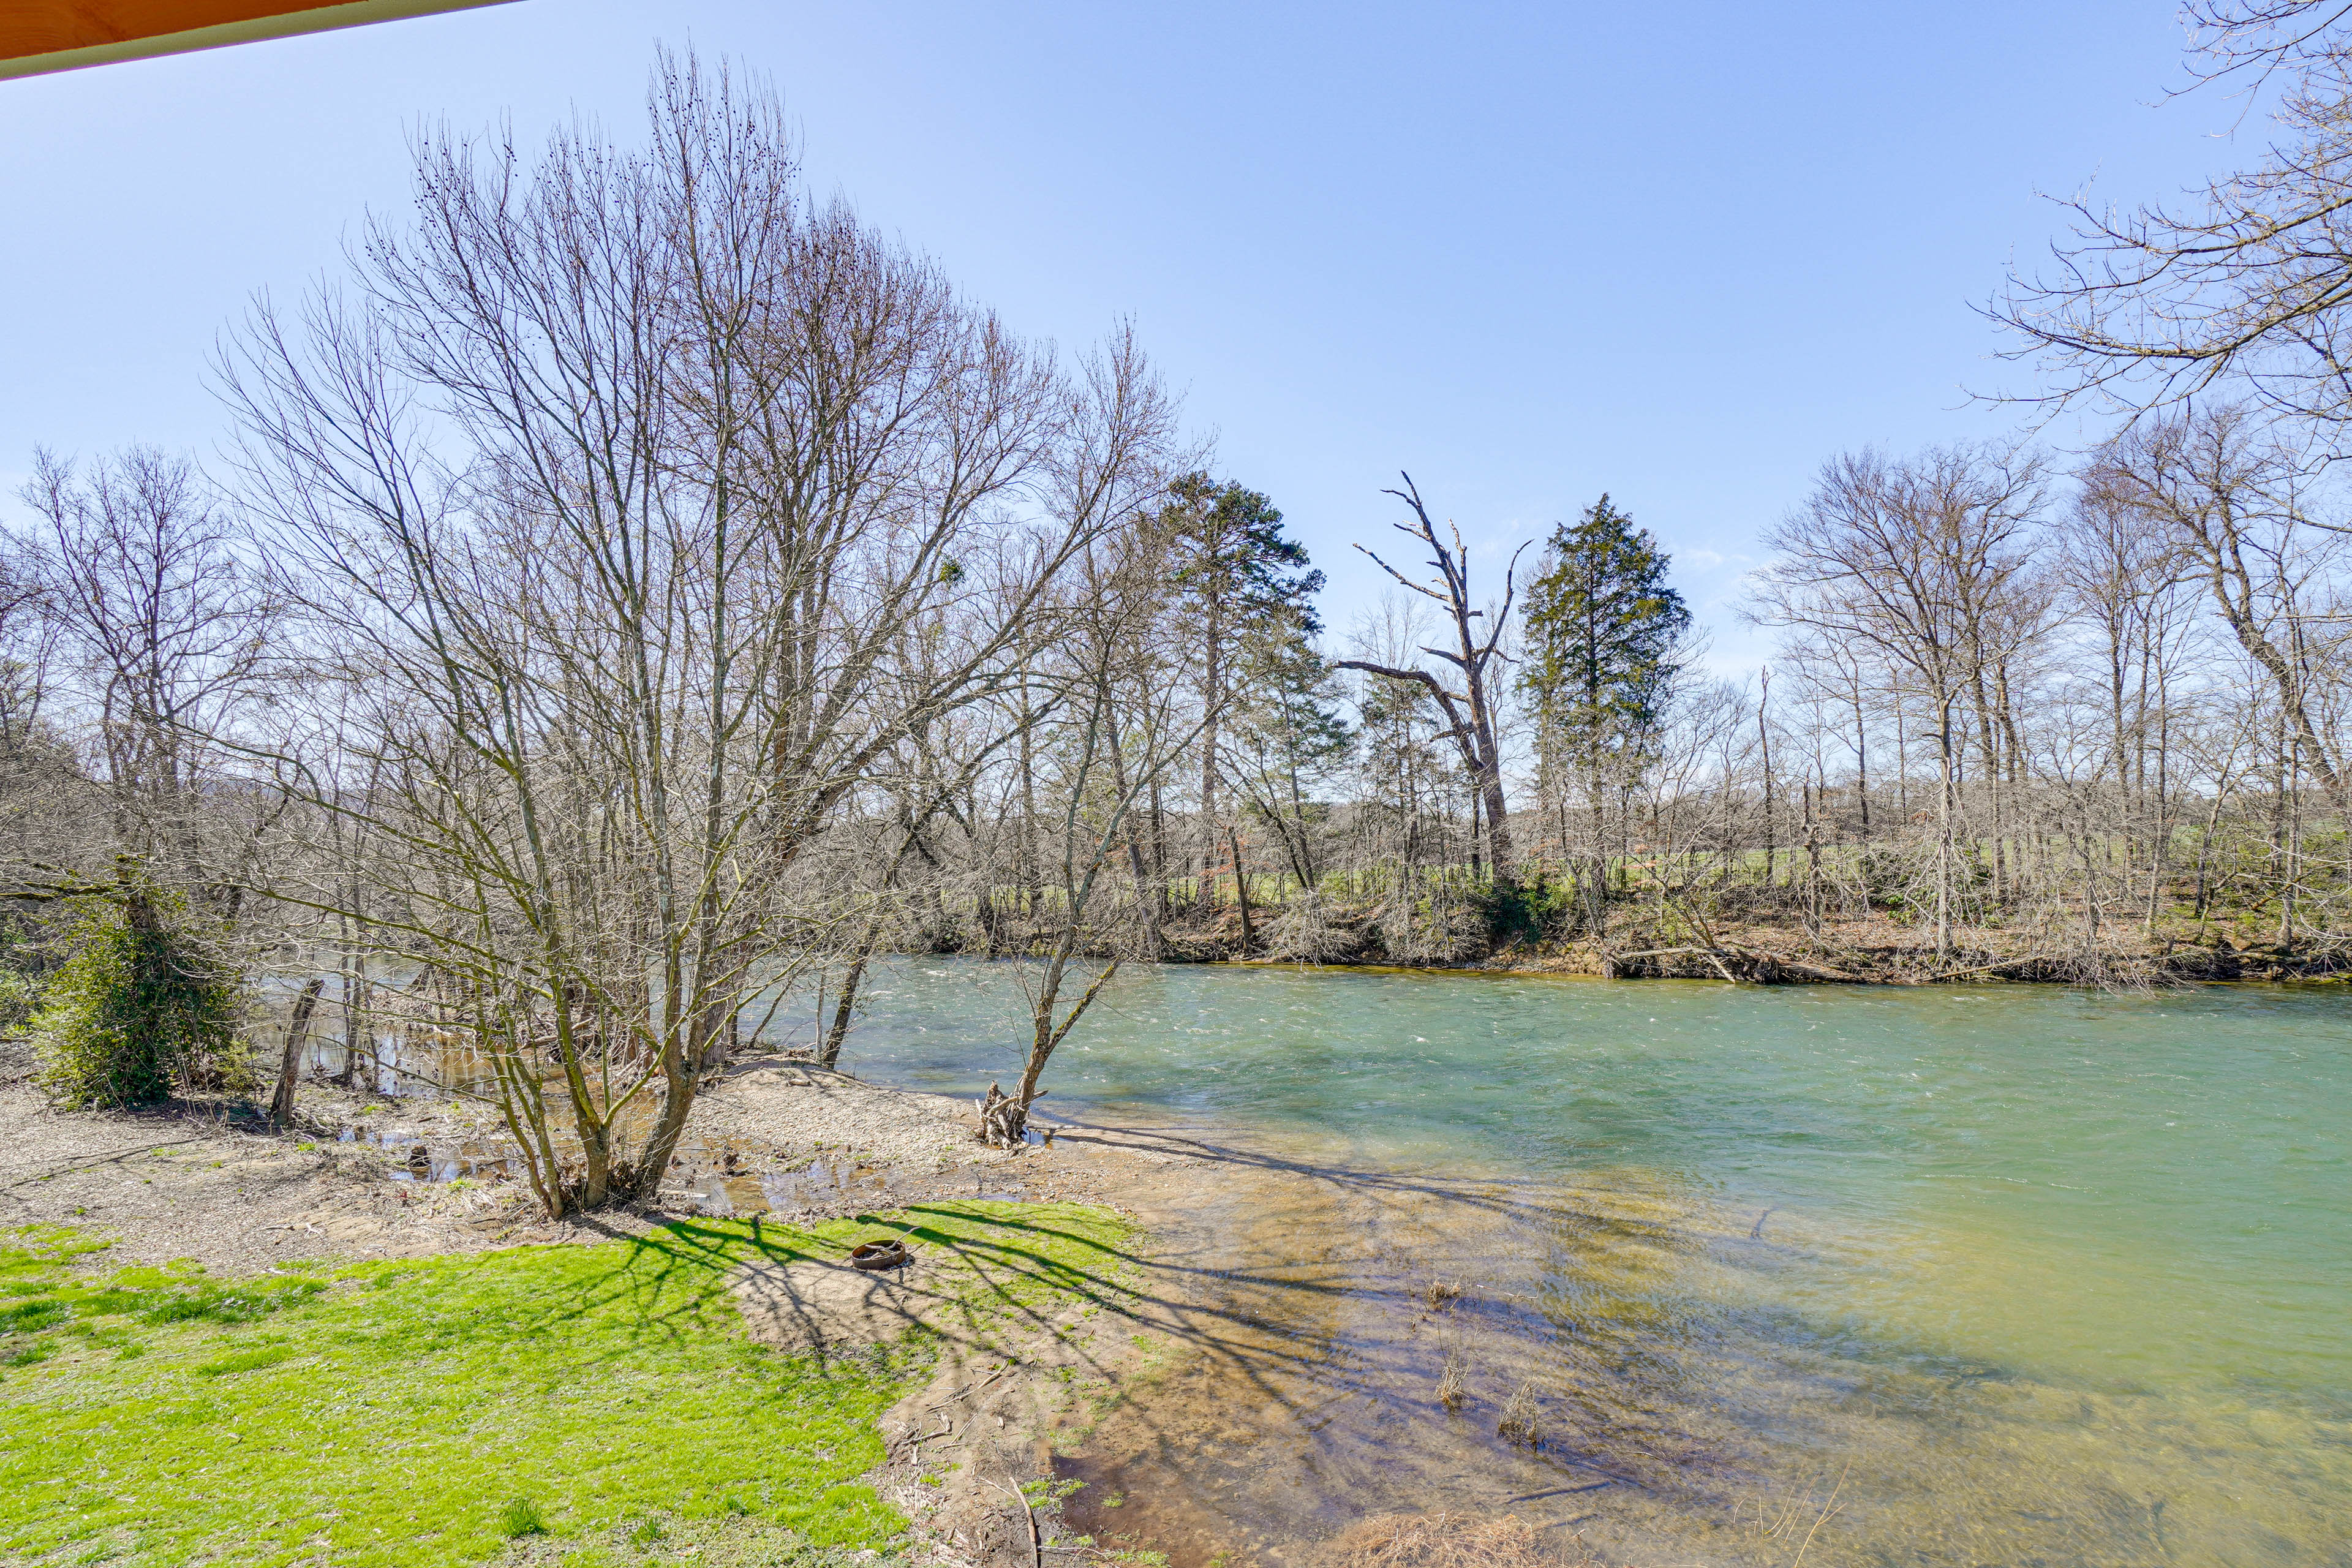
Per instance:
(880,1255)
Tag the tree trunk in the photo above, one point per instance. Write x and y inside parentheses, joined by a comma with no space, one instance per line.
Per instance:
(1136,863)
(1240,892)
(1211,696)
(1947,784)
(290,1066)
(1045,1033)
(1764,742)
(1812,861)
(829,1054)
(1029,873)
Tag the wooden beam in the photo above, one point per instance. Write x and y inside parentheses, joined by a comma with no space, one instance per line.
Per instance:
(37,36)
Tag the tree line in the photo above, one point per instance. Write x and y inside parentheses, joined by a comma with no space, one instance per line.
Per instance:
(639,594)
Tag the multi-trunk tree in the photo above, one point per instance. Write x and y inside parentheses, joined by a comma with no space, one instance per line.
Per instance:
(644,513)
(1928,563)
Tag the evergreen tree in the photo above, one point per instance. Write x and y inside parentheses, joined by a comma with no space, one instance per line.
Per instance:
(1244,578)
(1288,734)
(1601,630)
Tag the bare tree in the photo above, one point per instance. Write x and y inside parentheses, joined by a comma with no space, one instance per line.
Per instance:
(2125,591)
(1471,723)
(622,496)
(1919,561)
(2247,284)
(2226,495)
(165,635)
(1099,762)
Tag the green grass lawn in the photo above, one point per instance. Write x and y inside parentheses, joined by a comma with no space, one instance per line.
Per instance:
(435,1411)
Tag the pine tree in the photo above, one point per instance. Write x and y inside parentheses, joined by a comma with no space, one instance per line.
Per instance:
(1243,577)
(1601,629)
(1289,734)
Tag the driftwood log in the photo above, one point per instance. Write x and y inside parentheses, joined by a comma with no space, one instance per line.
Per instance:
(1004,1120)
(1760,965)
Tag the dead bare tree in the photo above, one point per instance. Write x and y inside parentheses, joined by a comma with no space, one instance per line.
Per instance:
(1472,723)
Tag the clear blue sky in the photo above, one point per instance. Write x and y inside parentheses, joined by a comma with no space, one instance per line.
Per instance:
(1679,253)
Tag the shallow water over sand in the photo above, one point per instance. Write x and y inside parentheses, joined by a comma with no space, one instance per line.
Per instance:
(2017,1275)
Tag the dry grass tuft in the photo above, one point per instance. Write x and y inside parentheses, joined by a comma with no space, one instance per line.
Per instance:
(1442,1540)
(1440,1293)
(1782,1520)
(1519,1423)
(1450,1392)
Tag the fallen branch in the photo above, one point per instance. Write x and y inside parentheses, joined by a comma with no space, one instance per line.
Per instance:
(1979,969)
(95,1161)
(1655,953)
(1835,976)
(1713,955)
(944,1402)
(914,1438)
(1750,955)
(1036,1541)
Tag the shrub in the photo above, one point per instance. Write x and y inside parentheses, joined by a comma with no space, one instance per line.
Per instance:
(1436,923)
(1532,911)
(140,1009)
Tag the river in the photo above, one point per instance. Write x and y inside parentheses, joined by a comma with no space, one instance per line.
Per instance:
(1938,1275)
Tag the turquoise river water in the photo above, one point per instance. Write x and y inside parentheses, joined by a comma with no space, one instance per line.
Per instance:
(1820,1274)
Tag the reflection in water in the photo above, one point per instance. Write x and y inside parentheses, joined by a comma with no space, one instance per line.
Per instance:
(395,1054)
(412,1161)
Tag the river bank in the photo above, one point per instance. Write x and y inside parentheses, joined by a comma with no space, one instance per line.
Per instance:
(1882,951)
(1877,949)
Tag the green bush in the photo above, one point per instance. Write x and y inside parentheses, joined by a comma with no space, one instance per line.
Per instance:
(1532,911)
(140,1009)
